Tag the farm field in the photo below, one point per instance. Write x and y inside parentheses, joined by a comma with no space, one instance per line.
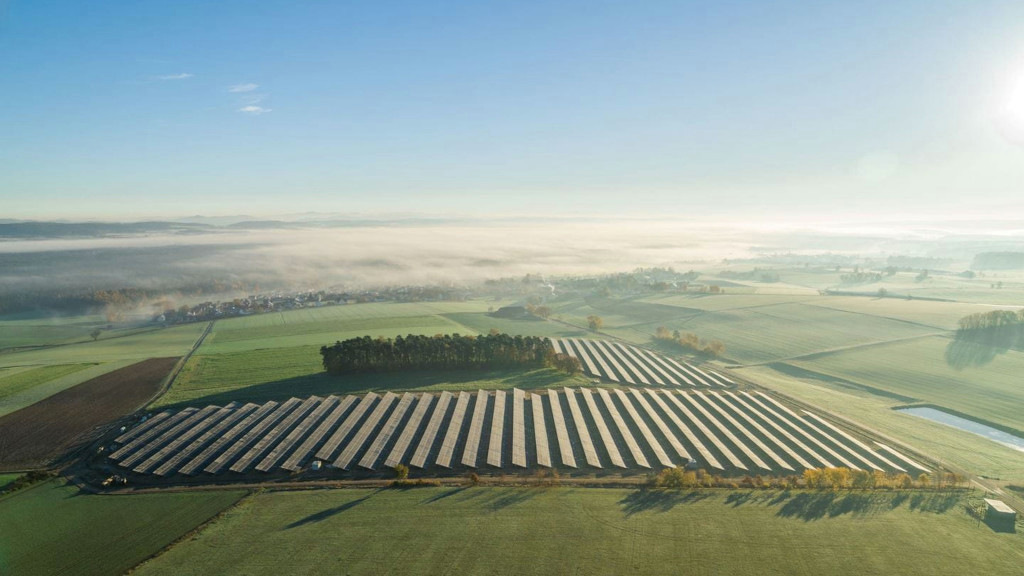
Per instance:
(20,330)
(716,302)
(926,371)
(35,435)
(275,374)
(44,384)
(158,343)
(319,326)
(951,446)
(772,332)
(53,529)
(593,531)
(482,323)
(943,315)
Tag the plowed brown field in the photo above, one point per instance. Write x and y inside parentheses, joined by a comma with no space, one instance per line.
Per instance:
(36,435)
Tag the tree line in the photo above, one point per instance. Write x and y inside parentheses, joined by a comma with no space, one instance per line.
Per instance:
(443,352)
(989,320)
(689,341)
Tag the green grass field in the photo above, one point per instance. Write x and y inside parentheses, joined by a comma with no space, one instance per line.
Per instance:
(20,330)
(262,375)
(38,382)
(6,479)
(155,343)
(594,531)
(55,529)
(922,369)
(755,329)
(319,326)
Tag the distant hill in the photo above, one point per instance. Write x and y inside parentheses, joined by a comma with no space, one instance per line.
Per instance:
(998,261)
(40,230)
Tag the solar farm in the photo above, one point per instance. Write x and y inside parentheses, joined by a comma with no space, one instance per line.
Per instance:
(627,364)
(620,429)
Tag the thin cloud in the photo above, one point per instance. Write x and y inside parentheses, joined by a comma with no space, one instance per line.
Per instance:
(254,110)
(181,76)
(243,87)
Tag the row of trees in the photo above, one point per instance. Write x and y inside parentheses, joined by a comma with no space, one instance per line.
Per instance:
(993,319)
(689,341)
(441,352)
(840,478)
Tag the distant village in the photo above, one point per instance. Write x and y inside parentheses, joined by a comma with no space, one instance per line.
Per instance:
(528,290)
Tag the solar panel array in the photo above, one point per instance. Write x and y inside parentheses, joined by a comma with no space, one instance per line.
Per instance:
(627,364)
(728,431)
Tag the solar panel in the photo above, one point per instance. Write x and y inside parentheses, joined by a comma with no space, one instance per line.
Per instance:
(711,436)
(326,452)
(264,443)
(476,430)
(411,427)
(709,398)
(822,461)
(152,453)
(912,463)
(674,418)
(540,431)
(344,460)
(196,428)
(298,433)
(639,365)
(602,429)
(451,437)
(620,424)
(600,347)
(497,427)
(210,435)
(224,440)
(662,364)
(656,418)
(164,435)
(592,351)
(793,422)
(419,458)
(296,459)
(220,463)
(154,431)
(739,444)
(645,431)
(142,427)
(586,441)
(518,428)
(561,433)
(369,460)
(574,349)
(855,442)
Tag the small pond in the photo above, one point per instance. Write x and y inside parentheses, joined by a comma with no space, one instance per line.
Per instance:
(1004,438)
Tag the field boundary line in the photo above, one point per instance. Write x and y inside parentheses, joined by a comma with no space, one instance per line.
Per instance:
(841,349)
(180,365)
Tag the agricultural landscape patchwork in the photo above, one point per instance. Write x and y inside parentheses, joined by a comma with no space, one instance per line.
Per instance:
(244,404)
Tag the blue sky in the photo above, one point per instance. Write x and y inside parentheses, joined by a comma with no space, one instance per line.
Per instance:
(145,109)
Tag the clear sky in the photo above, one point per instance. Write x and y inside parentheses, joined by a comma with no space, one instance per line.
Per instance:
(149,109)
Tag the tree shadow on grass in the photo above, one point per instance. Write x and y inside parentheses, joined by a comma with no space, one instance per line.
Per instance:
(494,500)
(446,494)
(974,348)
(659,500)
(809,506)
(322,384)
(325,514)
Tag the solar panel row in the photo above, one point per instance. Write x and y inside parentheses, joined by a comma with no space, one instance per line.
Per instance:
(621,428)
(620,362)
